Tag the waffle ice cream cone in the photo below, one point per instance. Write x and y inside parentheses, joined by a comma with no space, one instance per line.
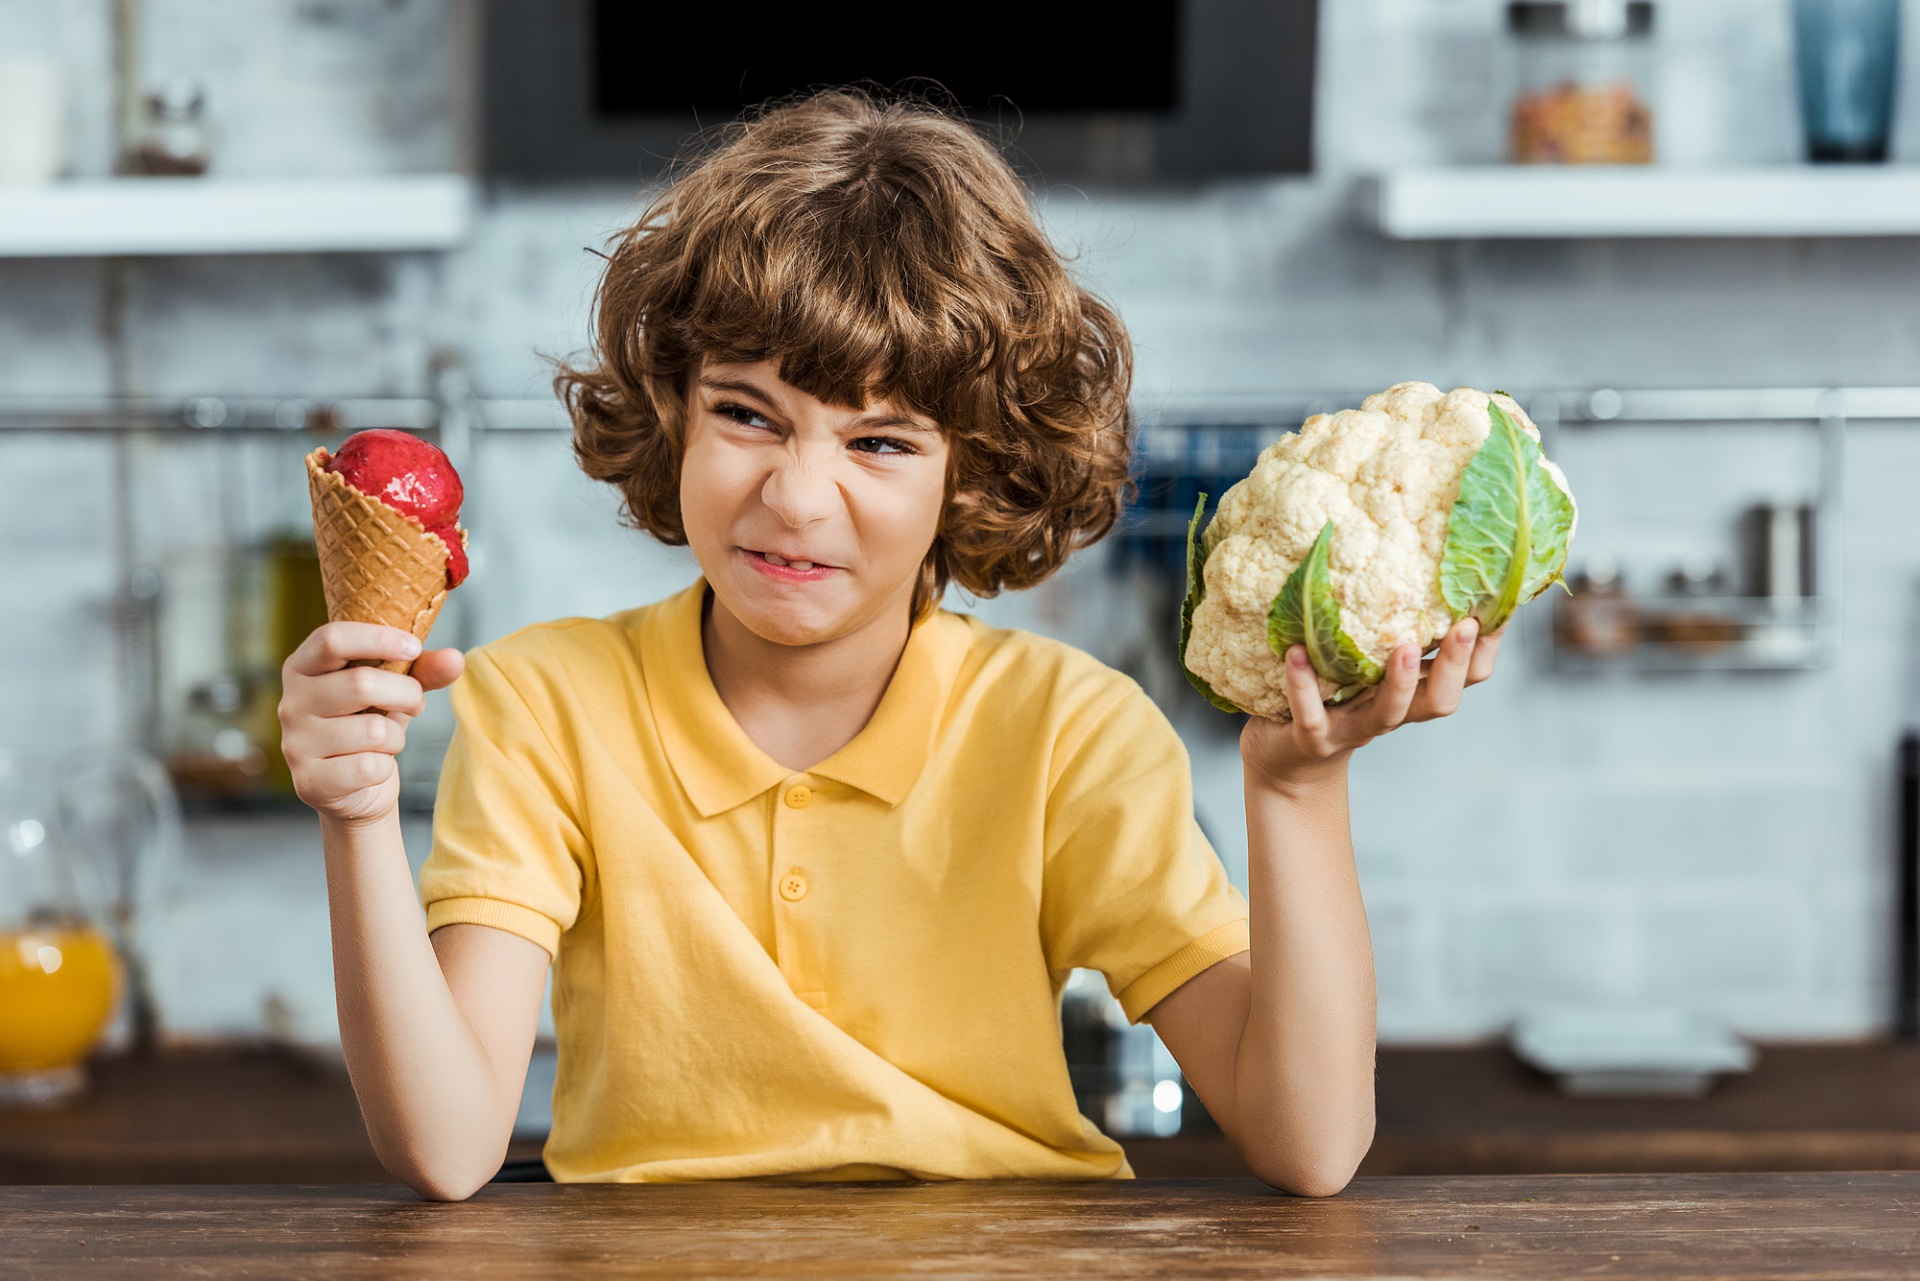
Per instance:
(376,565)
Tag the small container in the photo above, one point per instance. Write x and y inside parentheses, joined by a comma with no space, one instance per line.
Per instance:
(1698,574)
(1780,559)
(1598,618)
(1581,86)
(1847,53)
(173,140)
(215,757)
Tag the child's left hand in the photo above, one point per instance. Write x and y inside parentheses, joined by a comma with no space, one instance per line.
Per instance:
(1290,754)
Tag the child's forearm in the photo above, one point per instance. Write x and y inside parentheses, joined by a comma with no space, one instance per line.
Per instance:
(1303,1074)
(438,1110)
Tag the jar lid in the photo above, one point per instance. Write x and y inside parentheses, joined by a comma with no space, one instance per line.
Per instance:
(1581,19)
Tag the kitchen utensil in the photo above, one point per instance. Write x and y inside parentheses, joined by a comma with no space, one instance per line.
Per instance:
(1847,54)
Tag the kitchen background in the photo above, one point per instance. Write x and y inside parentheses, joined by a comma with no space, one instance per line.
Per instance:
(1710,840)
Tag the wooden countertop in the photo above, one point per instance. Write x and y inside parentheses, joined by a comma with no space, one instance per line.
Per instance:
(238,1116)
(1753,1227)
(255,1117)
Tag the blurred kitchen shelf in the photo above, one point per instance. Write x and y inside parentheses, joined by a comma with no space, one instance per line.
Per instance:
(141,216)
(1720,633)
(1700,634)
(1544,202)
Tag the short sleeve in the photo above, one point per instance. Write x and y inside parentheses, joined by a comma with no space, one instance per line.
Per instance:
(508,847)
(1132,887)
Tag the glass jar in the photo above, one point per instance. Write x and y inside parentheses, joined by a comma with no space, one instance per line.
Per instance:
(1581,82)
(173,140)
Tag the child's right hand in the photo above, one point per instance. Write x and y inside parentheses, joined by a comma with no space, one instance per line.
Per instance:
(341,726)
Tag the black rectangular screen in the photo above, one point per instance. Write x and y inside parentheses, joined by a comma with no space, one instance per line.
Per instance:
(1039,55)
(1152,91)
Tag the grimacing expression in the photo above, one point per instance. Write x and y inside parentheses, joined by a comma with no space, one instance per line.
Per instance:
(810,520)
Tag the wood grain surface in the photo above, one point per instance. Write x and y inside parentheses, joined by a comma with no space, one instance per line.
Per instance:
(1862,1227)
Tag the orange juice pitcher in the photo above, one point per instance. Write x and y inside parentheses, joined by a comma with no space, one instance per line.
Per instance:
(59,975)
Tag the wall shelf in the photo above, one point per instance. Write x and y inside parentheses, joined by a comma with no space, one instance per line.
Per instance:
(1717,633)
(142,216)
(1538,202)
(1698,634)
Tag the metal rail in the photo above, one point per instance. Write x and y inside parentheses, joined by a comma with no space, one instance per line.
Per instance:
(274,416)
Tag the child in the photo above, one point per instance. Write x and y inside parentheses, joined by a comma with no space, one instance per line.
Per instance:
(812,858)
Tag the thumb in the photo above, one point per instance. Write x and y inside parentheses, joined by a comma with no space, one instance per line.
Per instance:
(439,668)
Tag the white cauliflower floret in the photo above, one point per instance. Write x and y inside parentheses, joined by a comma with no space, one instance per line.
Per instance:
(1386,475)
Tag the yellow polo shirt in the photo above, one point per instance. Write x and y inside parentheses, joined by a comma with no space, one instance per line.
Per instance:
(851,971)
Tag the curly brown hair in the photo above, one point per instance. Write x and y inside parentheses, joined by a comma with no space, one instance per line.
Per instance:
(874,249)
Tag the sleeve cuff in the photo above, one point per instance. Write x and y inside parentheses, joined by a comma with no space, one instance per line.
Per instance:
(1158,983)
(542,931)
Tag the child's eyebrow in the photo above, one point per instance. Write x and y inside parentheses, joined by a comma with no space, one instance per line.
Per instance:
(895,422)
(740,385)
(881,421)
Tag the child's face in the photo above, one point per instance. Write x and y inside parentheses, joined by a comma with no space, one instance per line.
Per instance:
(810,520)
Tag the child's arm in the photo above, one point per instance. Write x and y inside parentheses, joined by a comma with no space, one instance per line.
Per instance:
(1278,1041)
(437,1032)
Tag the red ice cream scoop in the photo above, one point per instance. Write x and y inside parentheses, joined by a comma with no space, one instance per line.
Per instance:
(412,477)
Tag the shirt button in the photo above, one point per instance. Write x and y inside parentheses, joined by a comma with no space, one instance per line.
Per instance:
(799,796)
(793,886)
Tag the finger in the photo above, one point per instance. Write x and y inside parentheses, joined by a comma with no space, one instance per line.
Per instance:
(1485,652)
(354,690)
(323,782)
(323,737)
(1303,694)
(1394,695)
(334,645)
(439,668)
(1447,674)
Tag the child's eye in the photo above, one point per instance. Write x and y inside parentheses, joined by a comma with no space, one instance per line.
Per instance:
(882,445)
(741,414)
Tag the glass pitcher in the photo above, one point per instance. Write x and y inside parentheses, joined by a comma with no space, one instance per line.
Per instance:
(124,817)
(59,971)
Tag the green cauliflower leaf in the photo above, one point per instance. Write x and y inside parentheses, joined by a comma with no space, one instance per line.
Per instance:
(1306,612)
(1508,531)
(1196,587)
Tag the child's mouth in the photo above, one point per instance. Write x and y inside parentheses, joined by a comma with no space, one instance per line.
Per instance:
(785,570)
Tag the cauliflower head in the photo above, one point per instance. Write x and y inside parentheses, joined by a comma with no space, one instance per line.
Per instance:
(1357,535)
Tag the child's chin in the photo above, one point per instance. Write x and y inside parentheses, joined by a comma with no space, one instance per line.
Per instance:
(781,629)
(791,622)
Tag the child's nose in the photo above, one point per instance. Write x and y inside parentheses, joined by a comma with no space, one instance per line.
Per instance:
(800,492)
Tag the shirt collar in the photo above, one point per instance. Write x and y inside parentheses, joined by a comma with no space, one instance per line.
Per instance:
(720,767)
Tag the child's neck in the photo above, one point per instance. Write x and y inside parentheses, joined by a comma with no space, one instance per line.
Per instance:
(802,703)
